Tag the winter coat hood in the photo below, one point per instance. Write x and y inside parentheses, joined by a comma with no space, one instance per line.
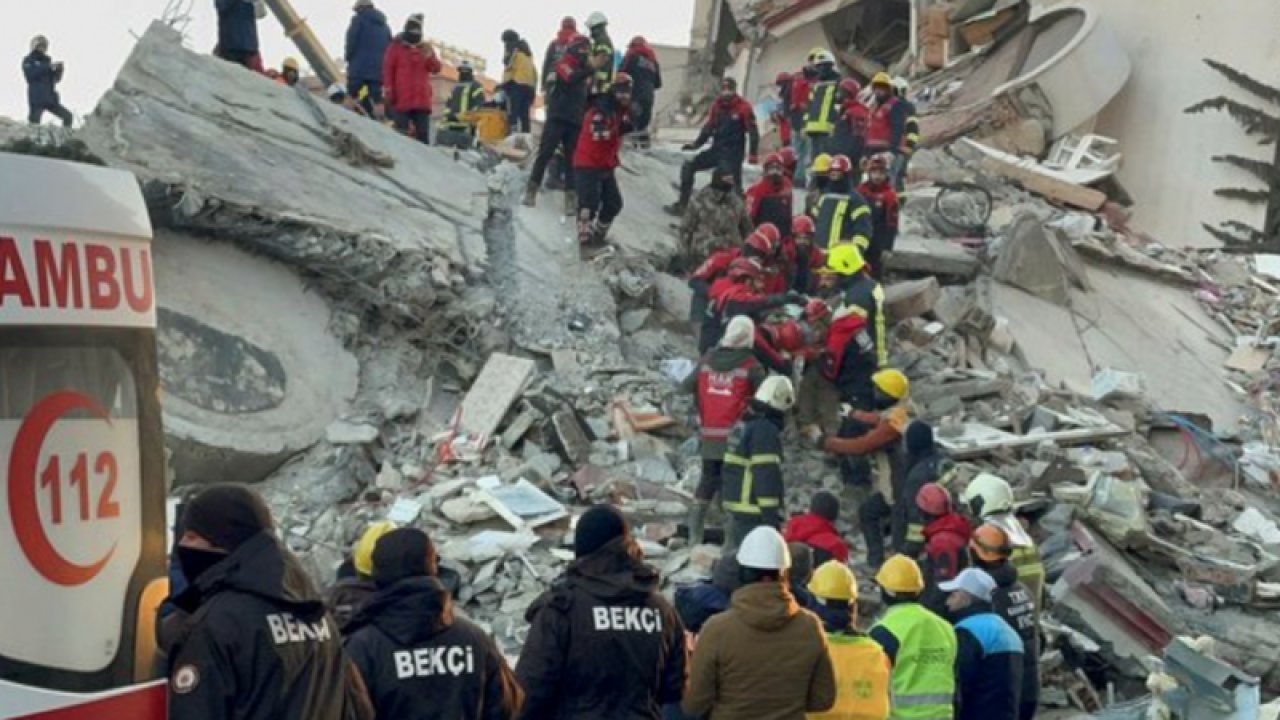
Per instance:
(261,568)
(615,572)
(566,35)
(410,612)
(767,606)
(724,359)
(953,523)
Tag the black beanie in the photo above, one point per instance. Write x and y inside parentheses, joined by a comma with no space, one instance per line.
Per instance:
(596,527)
(227,515)
(825,505)
(403,553)
(919,438)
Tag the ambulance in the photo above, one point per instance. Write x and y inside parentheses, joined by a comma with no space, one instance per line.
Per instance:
(82,510)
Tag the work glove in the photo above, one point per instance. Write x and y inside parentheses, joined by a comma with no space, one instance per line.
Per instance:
(817,439)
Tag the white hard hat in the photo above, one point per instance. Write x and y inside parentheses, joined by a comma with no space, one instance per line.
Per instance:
(901,85)
(824,57)
(596,19)
(777,392)
(996,495)
(764,549)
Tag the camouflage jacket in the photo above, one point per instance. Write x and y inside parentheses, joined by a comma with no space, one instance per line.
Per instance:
(714,219)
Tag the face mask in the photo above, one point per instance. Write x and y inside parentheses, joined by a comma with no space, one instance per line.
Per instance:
(882,95)
(413,37)
(195,561)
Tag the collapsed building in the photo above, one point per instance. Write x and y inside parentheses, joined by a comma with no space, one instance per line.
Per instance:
(369,328)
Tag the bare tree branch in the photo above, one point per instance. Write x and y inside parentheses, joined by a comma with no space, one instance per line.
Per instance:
(1261,89)
(1253,197)
(1264,171)
(1254,121)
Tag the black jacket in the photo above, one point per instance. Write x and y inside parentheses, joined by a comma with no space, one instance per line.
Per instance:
(237,26)
(646,75)
(1012,601)
(420,662)
(988,666)
(42,79)
(567,96)
(257,644)
(752,474)
(603,643)
(908,521)
(345,598)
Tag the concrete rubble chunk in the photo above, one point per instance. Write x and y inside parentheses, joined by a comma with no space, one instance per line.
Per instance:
(914,254)
(342,432)
(500,382)
(911,299)
(1036,259)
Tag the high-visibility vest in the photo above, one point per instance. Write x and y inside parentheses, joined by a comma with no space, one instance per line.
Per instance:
(835,221)
(862,679)
(821,116)
(1025,556)
(923,685)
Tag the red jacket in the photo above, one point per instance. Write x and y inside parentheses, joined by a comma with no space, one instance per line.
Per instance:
(946,542)
(880,126)
(716,265)
(723,397)
(600,141)
(817,532)
(884,214)
(406,77)
(799,100)
(769,203)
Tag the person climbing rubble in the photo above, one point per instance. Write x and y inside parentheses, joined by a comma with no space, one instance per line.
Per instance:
(641,63)
(862,668)
(595,160)
(878,191)
(458,128)
(726,380)
(769,200)
(566,104)
(823,106)
(849,135)
(519,81)
(368,37)
(43,75)
(417,659)
(740,292)
(238,32)
(870,440)
(602,60)
(715,220)
(817,529)
(946,542)
(731,129)
(842,215)
(911,134)
(351,591)
(738,672)
(605,606)
(406,79)
(989,550)
(989,652)
(752,491)
(256,642)
(921,646)
(989,500)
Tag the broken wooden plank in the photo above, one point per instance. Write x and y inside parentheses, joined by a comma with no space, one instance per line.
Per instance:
(911,299)
(971,446)
(931,256)
(1051,188)
(499,385)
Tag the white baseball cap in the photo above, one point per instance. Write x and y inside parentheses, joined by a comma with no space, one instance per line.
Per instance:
(974,582)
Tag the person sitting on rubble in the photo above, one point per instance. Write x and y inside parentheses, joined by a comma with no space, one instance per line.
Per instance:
(780,343)
(411,615)
(406,79)
(458,130)
(988,500)
(734,137)
(701,601)
(716,220)
(921,646)
(726,380)
(43,75)
(879,193)
(238,32)
(989,653)
(871,440)
(355,584)
(842,214)
(989,550)
(804,261)
(752,488)
(817,529)
(862,668)
(769,200)
(946,542)
(740,292)
(603,641)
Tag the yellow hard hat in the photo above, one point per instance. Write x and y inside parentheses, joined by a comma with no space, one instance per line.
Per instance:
(882,78)
(845,259)
(892,383)
(821,164)
(834,581)
(291,63)
(901,575)
(363,553)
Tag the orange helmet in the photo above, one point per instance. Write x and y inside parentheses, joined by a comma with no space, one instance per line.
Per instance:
(803,225)
(990,544)
(933,500)
(744,269)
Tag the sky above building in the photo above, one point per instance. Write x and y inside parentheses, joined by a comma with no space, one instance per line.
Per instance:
(93,37)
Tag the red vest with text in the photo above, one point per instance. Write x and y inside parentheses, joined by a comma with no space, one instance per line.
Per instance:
(723,397)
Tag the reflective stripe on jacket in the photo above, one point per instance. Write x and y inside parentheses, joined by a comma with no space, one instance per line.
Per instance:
(923,685)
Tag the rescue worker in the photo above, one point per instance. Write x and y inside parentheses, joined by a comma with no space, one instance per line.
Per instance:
(466,97)
(817,186)
(726,380)
(799,577)
(752,487)
(779,115)
(605,607)
(920,645)
(946,542)
(715,220)
(988,499)
(764,658)
(256,642)
(879,193)
(601,53)
(842,215)
(519,81)
(345,598)
(641,63)
(862,668)
(566,103)
(43,76)
(769,200)
(758,248)
(856,346)
(368,37)
(989,652)
(556,49)
(911,137)
(290,72)
(849,138)
(817,529)
(416,658)
(701,601)
(871,440)
(406,79)
(805,259)
(780,343)
(823,110)
(790,163)
(238,32)
(739,292)
(731,129)
(887,127)
(925,463)
(595,160)
(797,105)
(989,550)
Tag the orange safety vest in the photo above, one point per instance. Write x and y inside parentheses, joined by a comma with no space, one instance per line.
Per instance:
(862,679)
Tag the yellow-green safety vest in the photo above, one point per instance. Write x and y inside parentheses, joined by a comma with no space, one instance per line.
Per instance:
(820,118)
(923,684)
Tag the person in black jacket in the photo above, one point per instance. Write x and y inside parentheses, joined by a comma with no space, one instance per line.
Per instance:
(566,104)
(368,36)
(603,643)
(641,63)
(238,33)
(417,659)
(43,76)
(990,550)
(734,136)
(925,463)
(752,488)
(256,642)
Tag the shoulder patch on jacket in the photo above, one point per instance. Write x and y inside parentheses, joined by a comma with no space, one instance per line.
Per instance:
(185,679)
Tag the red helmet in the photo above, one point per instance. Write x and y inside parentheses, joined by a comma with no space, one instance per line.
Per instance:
(782,79)
(773,158)
(816,311)
(744,269)
(840,164)
(803,225)
(789,158)
(878,162)
(765,240)
(622,80)
(850,87)
(933,500)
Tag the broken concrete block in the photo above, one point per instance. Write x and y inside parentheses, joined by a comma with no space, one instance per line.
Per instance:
(632,320)
(572,437)
(1248,359)
(523,505)
(404,511)
(499,384)
(931,256)
(1253,524)
(1109,383)
(911,299)
(341,432)
(389,478)
(466,510)
(1036,259)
